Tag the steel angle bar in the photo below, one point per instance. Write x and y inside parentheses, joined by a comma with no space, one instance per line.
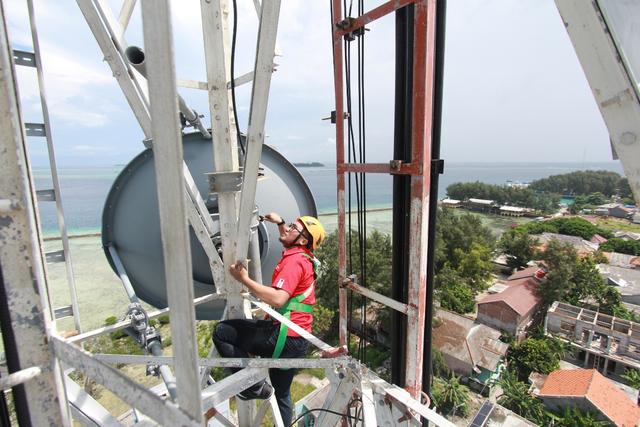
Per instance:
(352,24)
(263,407)
(125,15)
(403,398)
(192,84)
(85,408)
(368,404)
(243,79)
(131,90)
(263,70)
(19,377)
(374,296)
(225,150)
(232,385)
(422,112)
(338,79)
(25,311)
(597,44)
(168,160)
(163,411)
(275,410)
(125,323)
(338,402)
(132,359)
(206,370)
(204,237)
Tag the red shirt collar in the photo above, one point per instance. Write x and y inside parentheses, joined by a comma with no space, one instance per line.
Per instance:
(296,250)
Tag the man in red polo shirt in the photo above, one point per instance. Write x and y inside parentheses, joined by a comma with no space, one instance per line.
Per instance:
(292,293)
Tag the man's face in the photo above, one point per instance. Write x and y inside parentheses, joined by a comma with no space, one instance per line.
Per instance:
(295,235)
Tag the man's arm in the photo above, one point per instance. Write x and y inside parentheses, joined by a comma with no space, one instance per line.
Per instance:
(272,296)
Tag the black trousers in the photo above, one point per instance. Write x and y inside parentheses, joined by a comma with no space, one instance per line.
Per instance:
(241,337)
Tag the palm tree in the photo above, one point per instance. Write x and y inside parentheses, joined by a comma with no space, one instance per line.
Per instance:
(451,396)
(573,417)
(515,396)
(632,376)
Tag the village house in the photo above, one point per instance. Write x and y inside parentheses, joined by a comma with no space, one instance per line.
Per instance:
(451,203)
(511,306)
(471,350)
(583,247)
(512,211)
(620,211)
(627,235)
(479,205)
(626,281)
(606,343)
(588,390)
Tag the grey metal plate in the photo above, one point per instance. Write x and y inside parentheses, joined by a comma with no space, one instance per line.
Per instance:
(130,219)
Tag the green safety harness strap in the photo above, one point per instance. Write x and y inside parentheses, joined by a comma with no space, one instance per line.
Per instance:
(294,304)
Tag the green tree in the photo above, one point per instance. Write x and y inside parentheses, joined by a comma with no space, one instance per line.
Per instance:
(438,364)
(534,355)
(561,259)
(377,269)
(632,376)
(462,259)
(616,244)
(574,417)
(515,396)
(451,397)
(518,247)
(580,183)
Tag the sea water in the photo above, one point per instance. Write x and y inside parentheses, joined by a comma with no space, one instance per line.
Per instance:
(84,190)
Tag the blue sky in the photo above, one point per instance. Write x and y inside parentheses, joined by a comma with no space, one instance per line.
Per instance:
(514,90)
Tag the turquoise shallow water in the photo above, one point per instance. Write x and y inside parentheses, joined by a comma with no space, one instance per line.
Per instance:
(84,190)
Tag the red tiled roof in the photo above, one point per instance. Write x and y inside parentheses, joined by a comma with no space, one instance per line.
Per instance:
(521,295)
(601,392)
(598,239)
(527,272)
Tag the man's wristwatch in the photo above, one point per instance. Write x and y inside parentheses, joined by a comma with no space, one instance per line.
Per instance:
(282,222)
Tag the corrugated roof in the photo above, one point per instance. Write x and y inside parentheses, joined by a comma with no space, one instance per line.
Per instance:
(462,338)
(521,296)
(527,272)
(601,392)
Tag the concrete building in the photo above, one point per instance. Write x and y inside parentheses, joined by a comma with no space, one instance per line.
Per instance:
(625,280)
(513,309)
(588,390)
(606,343)
(512,211)
(583,247)
(620,211)
(470,349)
(480,205)
(451,203)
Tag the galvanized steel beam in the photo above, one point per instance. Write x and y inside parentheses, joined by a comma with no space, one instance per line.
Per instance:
(263,70)
(168,160)
(21,262)
(163,411)
(225,150)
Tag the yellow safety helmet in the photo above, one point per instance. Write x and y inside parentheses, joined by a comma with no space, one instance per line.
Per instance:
(314,228)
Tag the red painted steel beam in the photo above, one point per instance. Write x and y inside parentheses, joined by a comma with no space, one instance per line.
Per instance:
(338,67)
(423,87)
(394,168)
(351,24)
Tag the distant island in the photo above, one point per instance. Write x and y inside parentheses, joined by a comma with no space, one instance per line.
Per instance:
(309,165)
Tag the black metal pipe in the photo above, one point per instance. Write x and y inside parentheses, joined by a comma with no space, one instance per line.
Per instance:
(401,187)
(13,361)
(437,167)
